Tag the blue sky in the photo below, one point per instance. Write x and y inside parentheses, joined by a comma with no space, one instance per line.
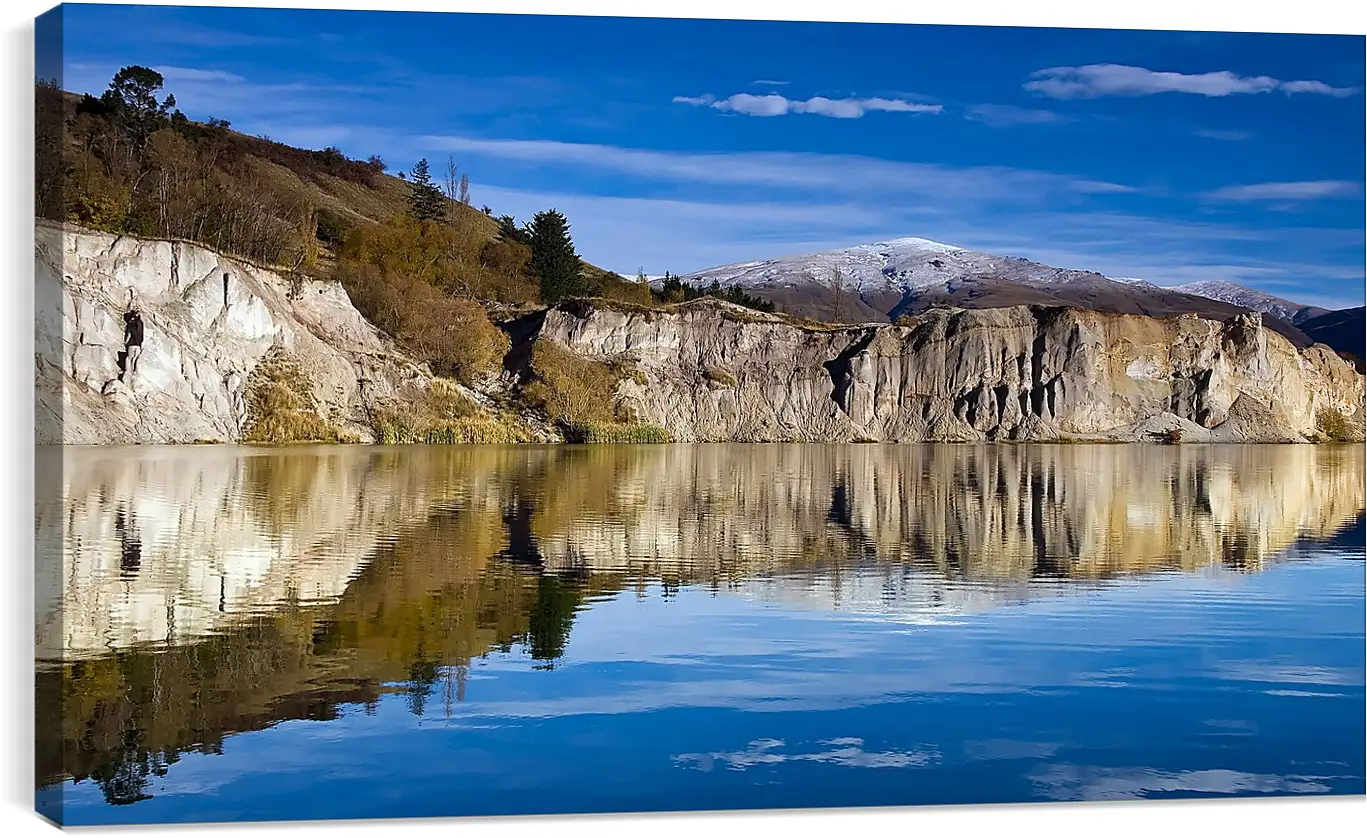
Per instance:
(680,144)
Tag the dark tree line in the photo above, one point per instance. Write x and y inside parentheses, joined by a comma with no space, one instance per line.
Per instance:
(675,290)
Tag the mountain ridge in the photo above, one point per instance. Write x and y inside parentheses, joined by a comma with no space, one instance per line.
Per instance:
(884,280)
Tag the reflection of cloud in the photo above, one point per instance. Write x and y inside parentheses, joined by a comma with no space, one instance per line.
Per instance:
(1070,782)
(844,751)
(1276,673)
(1009,749)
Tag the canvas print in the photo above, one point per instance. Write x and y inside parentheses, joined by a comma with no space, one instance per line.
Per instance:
(460,414)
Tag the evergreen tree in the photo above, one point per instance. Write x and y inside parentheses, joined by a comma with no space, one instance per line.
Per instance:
(554,262)
(509,231)
(131,102)
(425,202)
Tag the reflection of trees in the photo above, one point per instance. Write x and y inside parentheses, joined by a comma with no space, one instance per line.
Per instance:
(475,550)
(552,613)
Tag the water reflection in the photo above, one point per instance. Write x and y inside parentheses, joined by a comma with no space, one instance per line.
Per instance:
(210,591)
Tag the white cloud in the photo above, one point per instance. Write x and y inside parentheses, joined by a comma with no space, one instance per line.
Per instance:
(1306,190)
(1002,116)
(772,104)
(1095,80)
(768,81)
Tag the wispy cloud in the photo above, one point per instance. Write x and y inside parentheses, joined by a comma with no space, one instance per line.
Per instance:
(1094,80)
(1305,190)
(842,173)
(1318,87)
(1217,134)
(192,74)
(1004,116)
(768,81)
(773,104)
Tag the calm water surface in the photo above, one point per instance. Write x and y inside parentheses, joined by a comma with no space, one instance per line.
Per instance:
(241,633)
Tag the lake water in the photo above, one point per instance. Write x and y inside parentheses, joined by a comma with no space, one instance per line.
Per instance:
(236,633)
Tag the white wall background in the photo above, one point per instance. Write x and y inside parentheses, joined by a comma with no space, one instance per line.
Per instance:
(1249,818)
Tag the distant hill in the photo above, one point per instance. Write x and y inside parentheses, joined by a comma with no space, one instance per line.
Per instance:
(884,280)
(1229,292)
(1344,330)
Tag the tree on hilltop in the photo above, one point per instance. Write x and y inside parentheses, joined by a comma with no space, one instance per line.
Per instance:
(425,201)
(554,261)
(131,101)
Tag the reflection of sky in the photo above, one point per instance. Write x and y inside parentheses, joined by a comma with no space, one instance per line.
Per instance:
(1167,686)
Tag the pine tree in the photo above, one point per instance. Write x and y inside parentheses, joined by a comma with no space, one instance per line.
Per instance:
(554,262)
(131,101)
(509,231)
(425,202)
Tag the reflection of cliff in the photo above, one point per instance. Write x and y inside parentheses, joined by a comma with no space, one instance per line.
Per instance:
(966,512)
(167,545)
(280,584)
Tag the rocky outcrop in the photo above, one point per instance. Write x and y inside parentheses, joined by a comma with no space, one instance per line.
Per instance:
(712,371)
(209,321)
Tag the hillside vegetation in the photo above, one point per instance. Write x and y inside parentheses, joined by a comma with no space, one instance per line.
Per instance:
(417,259)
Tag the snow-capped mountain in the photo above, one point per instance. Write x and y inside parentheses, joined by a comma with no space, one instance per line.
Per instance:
(1217,289)
(898,265)
(884,280)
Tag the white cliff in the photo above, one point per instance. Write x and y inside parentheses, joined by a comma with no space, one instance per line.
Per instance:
(210,320)
(711,371)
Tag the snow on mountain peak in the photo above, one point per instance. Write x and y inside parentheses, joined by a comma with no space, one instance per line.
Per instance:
(916,243)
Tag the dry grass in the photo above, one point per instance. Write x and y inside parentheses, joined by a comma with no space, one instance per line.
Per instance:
(719,379)
(281,408)
(570,389)
(441,415)
(453,335)
(1335,427)
(584,306)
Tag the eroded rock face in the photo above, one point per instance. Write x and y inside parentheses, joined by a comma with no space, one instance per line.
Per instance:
(209,320)
(1023,373)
